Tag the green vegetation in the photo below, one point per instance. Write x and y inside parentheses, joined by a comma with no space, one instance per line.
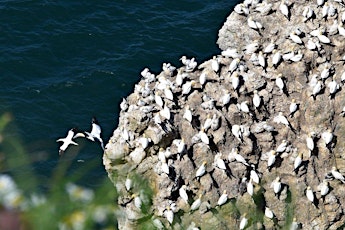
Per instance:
(65,205)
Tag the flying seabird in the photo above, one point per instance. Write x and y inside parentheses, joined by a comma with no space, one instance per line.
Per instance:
(67,141)
(95,133)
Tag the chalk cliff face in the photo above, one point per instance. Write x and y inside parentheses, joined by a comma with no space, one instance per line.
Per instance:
(274,109)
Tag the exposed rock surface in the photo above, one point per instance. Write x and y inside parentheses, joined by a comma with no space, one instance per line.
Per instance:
(148,164)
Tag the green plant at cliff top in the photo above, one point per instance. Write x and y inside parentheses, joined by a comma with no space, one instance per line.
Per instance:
(65,205)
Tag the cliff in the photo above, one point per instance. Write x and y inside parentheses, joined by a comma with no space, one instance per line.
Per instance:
(259,127)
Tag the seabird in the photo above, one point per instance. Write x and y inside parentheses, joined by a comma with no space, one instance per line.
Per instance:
(280,118)
(183,193)
(190,64)
(337,175)
(215,122)
(254,176)
(233,65)
(268,213)
(284,9)
(262,60)
(181,146)
(324,188)
(203,136)
(295,38)
(215,64)
(223,198)
(159,100)
(196,204)
(95,133)
(281,148)
(168,93)
(169,215)
(128,184)
(333,88)
(250,187)
(244,221)
(307,13)
(327,136)
(67,141)
(269,48)
(317,89)
(310,194)
(277,186)
(294,225)
(219,162)
(235,81)
(256,99)
(187,114)
(280,83)
(225,99)
(323,38)
(187,87)
(201,170)
(207,123)
(271,159)
(293,107)
(310,142)
(254,24)
(276,58)
(298,161)
(137,200)
(239,158)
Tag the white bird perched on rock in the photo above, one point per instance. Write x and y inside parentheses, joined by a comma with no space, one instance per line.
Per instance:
(311,45)
(284,9)
(165,112)
(67,141)
(196,204)
(235,81)
(277,186)
(322,38)
(293,107)
(252,47)
(236,131)
(281,148)
(223,198)
(244,107)
(181,146)
(268,213)
(239,158)
(183,193)
(168,93)
(295,38)
(307,13)
(250,187)
(327,136)
(276,58)
(254,24)
(233,65)
(269,48)
(188,114)
(187,87)
(324,188)
(337,175)
(324,11)
(219,162)
(254,176)
(230,53)
(310,194)
(215,122)
(128,184)
(310,142)
(203,78)
(241,9)
(280,118)
(137,200)
(244,221)
(123,105)
(180,77)
(225,99)
(333,87)
(190,64)
(320,2)
(169,215)
(298,161)
(159,100)
(271,159)
(207,123)
(262,60)
(317,89)
(203,137)
(256,99)
(201,170)
(280,83)
(215,64)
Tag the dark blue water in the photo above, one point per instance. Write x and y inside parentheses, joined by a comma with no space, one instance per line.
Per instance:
(62,62)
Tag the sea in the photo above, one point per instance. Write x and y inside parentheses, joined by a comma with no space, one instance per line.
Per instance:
(64,62)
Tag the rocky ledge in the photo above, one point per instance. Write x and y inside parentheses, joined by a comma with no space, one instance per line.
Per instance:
(253,138)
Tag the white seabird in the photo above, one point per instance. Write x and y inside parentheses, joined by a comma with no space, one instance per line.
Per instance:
(295,38)
(333,87)
(168,93)
(190,64)
(284,9)
(271,159)
(215,64)
(327,136)
(256,99)
(250,187)
(169,215)
(276,58)
(67,141)
(201,170)
(280,83)
(298,161)
(196,204)
(310,194)
(317,89)
(233,65)
(268,213)
(337,175)
(95,133)
(159,100)
(223,198)
(324,188)
(280,118)
(188,114)
(254,176)
(269,48)
(277,186)
(236,131)
(235,81)
(225,99)
(244,222)
(183,193)
(310,142)
(293,107)
(307,13)
(207,123)
(254,24)
(281,148)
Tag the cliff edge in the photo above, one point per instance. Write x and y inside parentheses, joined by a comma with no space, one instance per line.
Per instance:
(253,138)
